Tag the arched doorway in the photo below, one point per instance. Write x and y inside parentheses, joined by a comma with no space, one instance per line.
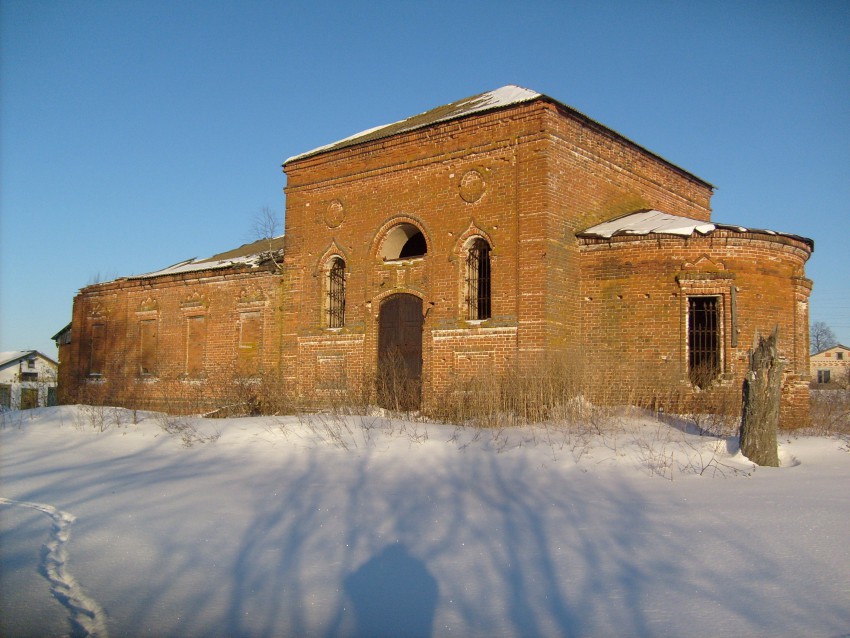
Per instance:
(400,352)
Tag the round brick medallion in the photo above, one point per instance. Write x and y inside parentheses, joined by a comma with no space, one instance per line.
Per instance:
(472,186)
(334,214)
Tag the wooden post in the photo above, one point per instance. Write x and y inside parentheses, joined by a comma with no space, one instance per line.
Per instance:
(760,413)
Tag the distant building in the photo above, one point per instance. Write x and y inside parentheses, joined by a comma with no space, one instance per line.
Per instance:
(831,366)
(480,238)
(27,380)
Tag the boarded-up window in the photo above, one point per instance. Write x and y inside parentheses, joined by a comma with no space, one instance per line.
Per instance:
(250,333)
(478,280)
(196,343)
(703,340)
(147,346)
(97,348)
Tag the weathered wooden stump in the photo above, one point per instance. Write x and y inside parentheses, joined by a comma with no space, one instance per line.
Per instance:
(760,412)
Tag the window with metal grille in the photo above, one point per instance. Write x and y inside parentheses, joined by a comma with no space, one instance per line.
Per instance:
(703,340)
(478,280)
(336,294)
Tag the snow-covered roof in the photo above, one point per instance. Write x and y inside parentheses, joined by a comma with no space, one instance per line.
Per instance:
(13,355)
(17,355)
(505,96)
(250,255)
(648,222)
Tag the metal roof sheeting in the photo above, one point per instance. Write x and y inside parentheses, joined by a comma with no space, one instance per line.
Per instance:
(648,222)
(246,256)
(505,96)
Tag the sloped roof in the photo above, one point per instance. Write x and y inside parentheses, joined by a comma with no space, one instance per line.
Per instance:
(250,255)
(16,355)
(835,347)
(503,97)
(62,332)
(649,222)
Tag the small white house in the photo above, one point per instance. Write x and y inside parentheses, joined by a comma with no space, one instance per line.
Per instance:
(831,366)
(27,380)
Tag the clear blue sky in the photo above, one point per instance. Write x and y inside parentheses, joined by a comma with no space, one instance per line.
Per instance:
(138,134)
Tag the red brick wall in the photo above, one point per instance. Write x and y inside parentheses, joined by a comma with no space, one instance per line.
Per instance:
(526,179)
(634,310)
(172,302)
(547,173)
(593,177)
(416,178)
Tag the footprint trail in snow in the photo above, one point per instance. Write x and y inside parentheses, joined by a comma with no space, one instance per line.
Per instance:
(86,614)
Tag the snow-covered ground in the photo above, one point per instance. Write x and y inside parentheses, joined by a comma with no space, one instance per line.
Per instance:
(367,526)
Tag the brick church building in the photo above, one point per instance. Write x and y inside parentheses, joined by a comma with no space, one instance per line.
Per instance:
(486,235)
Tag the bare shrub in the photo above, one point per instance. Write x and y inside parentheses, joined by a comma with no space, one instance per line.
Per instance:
(576,437)
(713,413)
(184,428)
(666,449)
(395,389)
(275,396)
(830,412)
(358,432)
(551,392)
(655,451)
(96,409)
(330,428)
(707,461)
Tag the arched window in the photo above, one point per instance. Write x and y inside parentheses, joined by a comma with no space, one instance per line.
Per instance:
(336,294)
(478,280)
(403,242)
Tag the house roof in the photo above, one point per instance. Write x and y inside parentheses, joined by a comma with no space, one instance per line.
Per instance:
(250,255)
(650,222)
(16,355)
(503,97)
(835,347)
